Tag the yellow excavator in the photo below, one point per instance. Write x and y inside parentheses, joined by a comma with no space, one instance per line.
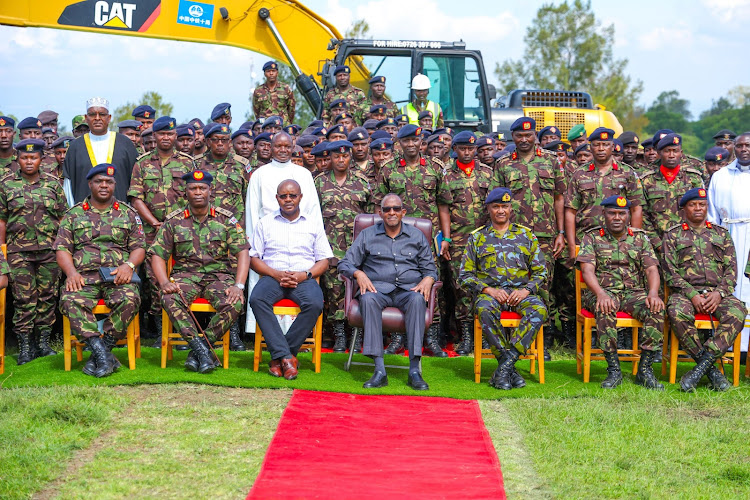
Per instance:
(288,31)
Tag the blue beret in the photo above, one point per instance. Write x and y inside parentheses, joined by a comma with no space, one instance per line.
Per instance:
(549,130)
(615,201)
(29,122)
(338,104)
(241,131)
(270,65)
(435,137)
(30,146)
(583,147)
(648,143)
(247,125)
(306,141)
(485,140)
(320,149)
(7,121)
(424,114)
(659,135)
(298,152)
(358,134)
(378,108)
(465,138)
(443,131)
(371,124)
(628,138)
(196,123)
(617,145)
(134,124)
(320,131)
(102,169)
(198,177)
(340,147)
(409,131)
(316,124)
(187,129)
(381,145)
(523,123)
(342,68)
(510,147)
(292,129)
(380,134)
(144,111)
(273,121)
(338,129)
(402,118)
(265,136)
(377,79)
(164,123)
(216,128)
(147,131)
(63,142)
(499,154)
(387,122)
(693,194)
(426,132)
(602,134)
(717,154)
(725,134)
(223,108)
(669,140)
(557,146)
(342,116)
(498,195)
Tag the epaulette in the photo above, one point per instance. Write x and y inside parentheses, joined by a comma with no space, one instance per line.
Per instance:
(548,154)
(636,230)
(175,213)
(144,155)
(190,157)
(8,175)
(241,159)
(123,204)
(646,173)
(477,229)
(597,228)
(200,156)
(676,226)
(44,174)
(79,204)
(439,162)
(224,211)
(693,171)
(694,158)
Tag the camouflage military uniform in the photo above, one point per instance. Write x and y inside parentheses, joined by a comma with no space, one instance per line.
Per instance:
(202,267)
(230,181)
(32,213)
(355,100)
(391,110)
(620,268)
(279,101)
(509,261)
(698,261)
(5,164)
(100,239)
(339,205)
(54,170)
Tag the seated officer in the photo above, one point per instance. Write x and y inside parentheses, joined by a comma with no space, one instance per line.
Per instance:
(200,239)
(613,260)
(289,251)
(701,271)
(100,232)
(504,268)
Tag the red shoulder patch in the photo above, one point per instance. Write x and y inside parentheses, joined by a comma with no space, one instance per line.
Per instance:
(601,231)
(709,225)
(402,162)
(591,167)
(85,206)
(213,212)
(685,227)
(422,162)
(514,156)
(116,205)
(615,166)
(186,213)
(539,151)
(630,231)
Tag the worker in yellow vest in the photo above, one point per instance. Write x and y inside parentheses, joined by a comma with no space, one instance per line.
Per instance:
(420,84)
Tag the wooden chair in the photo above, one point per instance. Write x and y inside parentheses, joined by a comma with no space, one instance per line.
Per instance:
(2,323)
(534,354)
(132,339)
(286,307)
(169,338)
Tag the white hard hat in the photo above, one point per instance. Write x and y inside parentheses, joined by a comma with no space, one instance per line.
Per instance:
(420,82)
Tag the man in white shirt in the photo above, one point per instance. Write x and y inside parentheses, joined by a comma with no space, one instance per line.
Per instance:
(289,251)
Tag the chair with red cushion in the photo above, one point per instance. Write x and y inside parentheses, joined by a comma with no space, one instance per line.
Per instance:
(534,354)
(170,338)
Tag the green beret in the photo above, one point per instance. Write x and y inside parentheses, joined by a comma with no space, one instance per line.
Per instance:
(576,132)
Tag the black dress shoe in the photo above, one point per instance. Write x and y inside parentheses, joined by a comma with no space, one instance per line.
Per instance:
(416,382)
(378,379)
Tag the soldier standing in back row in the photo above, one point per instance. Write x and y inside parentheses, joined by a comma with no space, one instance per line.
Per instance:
(273,97)
(355,98)
(377,97)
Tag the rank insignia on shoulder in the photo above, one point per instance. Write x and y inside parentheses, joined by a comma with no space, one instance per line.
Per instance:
(85,206)
(601,231)
(630,231)
(709,225)
(116,205)
(685,227)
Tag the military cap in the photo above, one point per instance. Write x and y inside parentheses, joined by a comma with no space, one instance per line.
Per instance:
(78,120)
(498,195)
(62,142)
(386,122)
(381,145)
(380,134)
(7,122)
(223,108)
(602,134)
(265,136)
(187,129)
(320,132)
(725,134)
(499,154)
(164,123)
(615,201)
(247,126)
(583,147)
(47,116)
(270,65)
(659,135)
(337,129)
(216,128)
(425,114)
(198,177)
(272,121)
(358,134)
(523,123)
(693,194)
(628,138)
(669,140)
(338,104)
(106,169)
(485,140)
(549,130)
(453,154)
(500,136)
(241,131)
(647,143)
(378,108)
(617,143)
(342,116)
(576,132)
(316,123)
(434,137)
(29,122)
(465,138)
(510,147)
(320,150)
(197,123)
(48,130)
(444,131)
(341,68)
(371,124)
(306,141)
(409,130)
(298,152)
(30,146)
(147,131)
(716,154)
(292,129)
(340,147)
(144,111)
(377,79)
(426,132)
(134,124)
(402,118)
(557,146)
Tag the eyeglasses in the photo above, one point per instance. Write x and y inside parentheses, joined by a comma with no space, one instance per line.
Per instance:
(94,114)
(287,196)
(392,209)
(220,141)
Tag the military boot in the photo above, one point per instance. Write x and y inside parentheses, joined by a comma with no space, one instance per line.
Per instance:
(102,363)
(502,377)
(235,342)
(703,362)
(200,351)
(359,340)
(614,375)
(716,380)
(25,351)
(339,336)
(432,345)
(645,375)
(158,325)
(396,345)
(548,341)
(569,334)
(110,343)
(466,346)
(44,348)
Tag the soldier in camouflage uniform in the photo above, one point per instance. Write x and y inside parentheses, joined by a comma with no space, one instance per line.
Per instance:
(700,268)
(630,143)
(200,239)
(614,260)
(686,160)
(31,206)
(377,97)
(7,135)
(504,267)
(418,180)
(355,98)
(59,149)
(157,189)
(343,194)
(468,181)
(381,152)
(273,97)
(100,232)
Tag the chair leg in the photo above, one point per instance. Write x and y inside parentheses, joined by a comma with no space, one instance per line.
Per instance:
(579,352)
(355,333)
(257,353)
(636,348)
(317,341)
(586,354)
(131,343)
(540,353)
(67,354)
(137,336)
(2,345)
(477,350)
(673,347)
(736,353)
(165,327)
(225,340)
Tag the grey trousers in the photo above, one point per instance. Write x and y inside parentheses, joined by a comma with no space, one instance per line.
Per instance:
(412,304)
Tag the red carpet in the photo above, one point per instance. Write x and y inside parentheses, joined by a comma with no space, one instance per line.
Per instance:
(348,446)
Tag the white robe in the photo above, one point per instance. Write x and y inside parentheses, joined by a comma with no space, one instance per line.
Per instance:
(261,201)
(729,206)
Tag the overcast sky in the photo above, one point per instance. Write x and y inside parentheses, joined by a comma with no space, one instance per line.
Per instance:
(697,47)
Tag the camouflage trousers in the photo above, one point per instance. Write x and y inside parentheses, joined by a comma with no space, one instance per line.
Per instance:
(533,315)
(123,301)
(210,286)
(563,291)
(731,320)
(462,297)
(34,278)
(151,290)
(334,293)
(632,302)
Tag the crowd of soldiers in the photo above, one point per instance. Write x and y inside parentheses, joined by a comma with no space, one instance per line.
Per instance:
(363,148)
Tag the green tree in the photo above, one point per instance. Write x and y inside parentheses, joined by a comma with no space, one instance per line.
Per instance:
(718,106)
(359,29)
(153,99)
(739,96)
(669,111)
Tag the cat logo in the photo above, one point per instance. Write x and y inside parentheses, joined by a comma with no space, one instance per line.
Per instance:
(124,16)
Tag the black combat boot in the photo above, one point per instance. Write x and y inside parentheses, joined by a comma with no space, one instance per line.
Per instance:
(716,380)
(569,334)
(44,348)
(432,345)
(614,375)
(466,346)
(102,363)
(359,340)
(110,343)
(158,325)
(548,340)
(396,346)
(703,362)
(235,342)
(645,375)
(199,349)
(502,379)
(25,351)
(339,336)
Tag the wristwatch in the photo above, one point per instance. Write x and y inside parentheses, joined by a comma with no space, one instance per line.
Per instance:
(130,265)
(309,275)
(241,286)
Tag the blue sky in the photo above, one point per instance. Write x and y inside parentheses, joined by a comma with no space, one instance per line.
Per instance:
(696,47)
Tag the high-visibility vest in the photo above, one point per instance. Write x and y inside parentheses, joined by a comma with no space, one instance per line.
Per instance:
(410,111)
